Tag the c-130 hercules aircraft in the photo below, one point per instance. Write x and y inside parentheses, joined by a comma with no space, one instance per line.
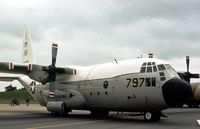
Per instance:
(146,85)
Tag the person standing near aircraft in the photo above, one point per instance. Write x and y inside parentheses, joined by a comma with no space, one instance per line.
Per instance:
(27,101)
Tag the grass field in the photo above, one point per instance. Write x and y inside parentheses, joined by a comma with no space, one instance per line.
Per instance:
(22,95)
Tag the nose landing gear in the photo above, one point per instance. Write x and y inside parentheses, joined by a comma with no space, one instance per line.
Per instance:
(152,116)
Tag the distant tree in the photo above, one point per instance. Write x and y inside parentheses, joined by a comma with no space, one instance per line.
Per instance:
(10,88)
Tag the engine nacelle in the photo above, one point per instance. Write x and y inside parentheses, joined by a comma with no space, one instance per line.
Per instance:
(55,106)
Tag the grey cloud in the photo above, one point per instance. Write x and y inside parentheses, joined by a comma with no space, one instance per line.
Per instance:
(98,31)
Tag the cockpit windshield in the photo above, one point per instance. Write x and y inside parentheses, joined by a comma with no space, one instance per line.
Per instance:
(148,67)
(169,67)
(161,67)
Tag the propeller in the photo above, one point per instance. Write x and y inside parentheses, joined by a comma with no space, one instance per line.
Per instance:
(187,75)
(52,70)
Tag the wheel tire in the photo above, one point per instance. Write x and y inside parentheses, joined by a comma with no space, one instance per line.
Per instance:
(152,116)
(64,111)
(147,116)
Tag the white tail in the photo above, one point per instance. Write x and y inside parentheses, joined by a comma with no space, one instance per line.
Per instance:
(27,49)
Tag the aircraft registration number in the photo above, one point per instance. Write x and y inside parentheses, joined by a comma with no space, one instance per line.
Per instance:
(139,82)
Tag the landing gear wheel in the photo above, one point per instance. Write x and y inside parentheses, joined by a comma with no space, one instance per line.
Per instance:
(147,116)
(64,111)
(152,116)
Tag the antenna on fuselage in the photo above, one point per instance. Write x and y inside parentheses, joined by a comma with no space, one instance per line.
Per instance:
(116,61)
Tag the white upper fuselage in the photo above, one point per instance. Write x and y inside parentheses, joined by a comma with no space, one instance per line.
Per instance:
(109,70)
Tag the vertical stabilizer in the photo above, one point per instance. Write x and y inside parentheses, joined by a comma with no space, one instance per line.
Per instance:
(27,49)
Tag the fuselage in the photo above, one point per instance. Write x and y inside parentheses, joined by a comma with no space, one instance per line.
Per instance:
(130,85)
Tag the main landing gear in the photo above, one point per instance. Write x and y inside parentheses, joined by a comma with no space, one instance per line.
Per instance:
(58,109)
(152,116)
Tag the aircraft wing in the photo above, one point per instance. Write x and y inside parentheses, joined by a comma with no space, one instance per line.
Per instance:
(40,73)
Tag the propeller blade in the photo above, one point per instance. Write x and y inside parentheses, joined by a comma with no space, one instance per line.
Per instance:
(195,75)
(52,86)
(187,63)
(66,71)
(52,70)
(54,53)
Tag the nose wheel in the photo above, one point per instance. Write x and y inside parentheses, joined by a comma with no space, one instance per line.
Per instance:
(152,116)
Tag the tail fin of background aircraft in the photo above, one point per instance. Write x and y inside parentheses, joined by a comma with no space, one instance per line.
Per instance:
(27,49)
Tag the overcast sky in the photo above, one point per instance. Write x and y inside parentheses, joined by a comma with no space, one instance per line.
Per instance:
(98,31)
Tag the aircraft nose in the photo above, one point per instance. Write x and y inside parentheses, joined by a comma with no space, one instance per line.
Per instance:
(176,90)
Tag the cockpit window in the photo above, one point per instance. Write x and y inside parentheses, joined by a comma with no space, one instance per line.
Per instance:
(144,64)
(143,69)
(148,67)
(161,67)
(155,69)
(168,66)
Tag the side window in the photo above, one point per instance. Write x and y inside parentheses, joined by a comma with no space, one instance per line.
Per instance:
(153,81)
(162,76)
(150,82)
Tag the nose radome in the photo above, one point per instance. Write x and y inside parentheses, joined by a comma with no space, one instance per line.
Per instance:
(176,90)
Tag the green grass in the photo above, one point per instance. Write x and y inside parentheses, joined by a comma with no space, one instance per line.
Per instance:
(22,95)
